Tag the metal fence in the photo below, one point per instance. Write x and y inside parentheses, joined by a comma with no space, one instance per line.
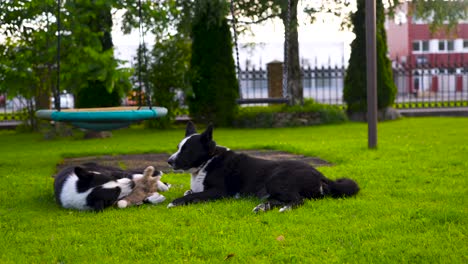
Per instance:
(12,111)
(419,86)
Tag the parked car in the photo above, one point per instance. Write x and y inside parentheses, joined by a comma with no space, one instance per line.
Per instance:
(67,100)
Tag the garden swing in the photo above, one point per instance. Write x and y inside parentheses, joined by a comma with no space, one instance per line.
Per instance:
(105,118)
(271,100)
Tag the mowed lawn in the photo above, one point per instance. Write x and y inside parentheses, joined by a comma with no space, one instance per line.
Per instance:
(412,208)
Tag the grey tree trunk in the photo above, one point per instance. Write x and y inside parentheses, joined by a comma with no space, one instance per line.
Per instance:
(295,86)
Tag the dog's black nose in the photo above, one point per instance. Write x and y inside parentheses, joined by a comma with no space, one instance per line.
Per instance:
(171,162)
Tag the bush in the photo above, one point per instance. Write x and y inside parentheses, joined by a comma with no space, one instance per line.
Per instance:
(97,95)
(310,113)
(214,82)
(169,63)
(355,90)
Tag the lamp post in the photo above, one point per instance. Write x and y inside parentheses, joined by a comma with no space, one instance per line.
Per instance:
(371,51)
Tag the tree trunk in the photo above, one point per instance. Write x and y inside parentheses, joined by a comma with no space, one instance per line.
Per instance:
(294,86)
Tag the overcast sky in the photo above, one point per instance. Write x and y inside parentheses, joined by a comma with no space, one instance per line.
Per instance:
(317,35)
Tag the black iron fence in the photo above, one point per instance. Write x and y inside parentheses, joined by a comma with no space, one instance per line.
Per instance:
(419,85)
(12,111)
(438,84)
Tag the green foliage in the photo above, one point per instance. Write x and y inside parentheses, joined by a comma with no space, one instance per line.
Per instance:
(441,14)
(355,86)
(28,57)
(17,77)
(166,76)
(411,208)
(214,81)
(102,83)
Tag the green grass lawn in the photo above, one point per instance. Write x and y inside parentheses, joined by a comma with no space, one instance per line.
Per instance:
(412,208)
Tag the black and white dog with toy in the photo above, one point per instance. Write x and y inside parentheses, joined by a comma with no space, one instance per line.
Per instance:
(219,172)
(91,186)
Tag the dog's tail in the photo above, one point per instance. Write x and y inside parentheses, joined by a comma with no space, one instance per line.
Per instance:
(343,187)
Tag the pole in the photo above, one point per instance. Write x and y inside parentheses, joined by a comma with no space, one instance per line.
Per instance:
(57,103)
(371,73)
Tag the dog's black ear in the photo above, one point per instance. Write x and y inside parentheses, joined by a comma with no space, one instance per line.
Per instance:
(190,130)
(82,173)
(207,136)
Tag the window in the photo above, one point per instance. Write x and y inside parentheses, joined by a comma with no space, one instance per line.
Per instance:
(450,46)
(425,45)
(421,60)
(446,45)
(420,45)
(441,45)
(465,44)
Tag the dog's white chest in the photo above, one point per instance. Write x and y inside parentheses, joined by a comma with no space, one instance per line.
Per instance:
(198,179)
(196,182)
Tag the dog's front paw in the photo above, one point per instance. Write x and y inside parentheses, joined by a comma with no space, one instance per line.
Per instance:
(285,208)
(163,186)
(155,198)
(122,204)
(176,202)
(263,207)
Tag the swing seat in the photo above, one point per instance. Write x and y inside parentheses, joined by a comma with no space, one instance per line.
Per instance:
(102,119)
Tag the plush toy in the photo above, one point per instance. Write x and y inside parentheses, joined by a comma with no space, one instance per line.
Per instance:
(145,190)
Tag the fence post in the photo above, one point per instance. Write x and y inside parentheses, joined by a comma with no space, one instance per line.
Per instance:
(275,79)
(435,84)
(459,83)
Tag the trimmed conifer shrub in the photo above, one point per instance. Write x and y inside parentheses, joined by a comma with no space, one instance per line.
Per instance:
(355,87)
(214,81)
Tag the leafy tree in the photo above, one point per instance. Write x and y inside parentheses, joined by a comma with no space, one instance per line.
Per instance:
(214,82)
(441,14)
(102,83)
(26,56)
(163,71)
(170,61)
(86,58)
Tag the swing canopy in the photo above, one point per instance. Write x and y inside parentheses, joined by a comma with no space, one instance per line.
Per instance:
(102,119)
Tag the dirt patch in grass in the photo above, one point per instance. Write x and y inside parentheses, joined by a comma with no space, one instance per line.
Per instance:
(159,160)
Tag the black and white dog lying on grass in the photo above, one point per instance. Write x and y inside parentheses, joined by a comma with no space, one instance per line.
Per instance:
(218,172)
(94,187)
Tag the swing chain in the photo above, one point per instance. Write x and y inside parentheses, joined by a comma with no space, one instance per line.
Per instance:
(142,49)
(57,103)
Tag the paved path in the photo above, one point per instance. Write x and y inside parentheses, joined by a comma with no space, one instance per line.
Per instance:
(9,124)
(449,111)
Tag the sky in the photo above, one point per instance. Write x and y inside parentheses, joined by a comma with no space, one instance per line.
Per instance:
(320,43)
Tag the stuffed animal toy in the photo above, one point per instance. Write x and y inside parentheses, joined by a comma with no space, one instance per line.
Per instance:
(145,190)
